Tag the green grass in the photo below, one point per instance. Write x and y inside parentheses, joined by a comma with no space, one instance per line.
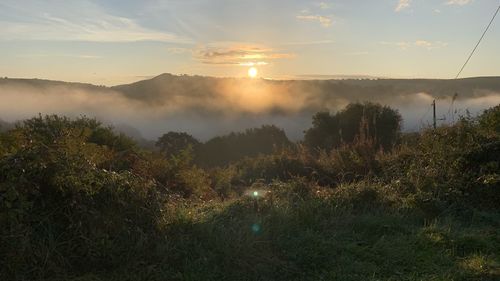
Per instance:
(316,238)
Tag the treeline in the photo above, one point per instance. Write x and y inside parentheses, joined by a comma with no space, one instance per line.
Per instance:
(357,122)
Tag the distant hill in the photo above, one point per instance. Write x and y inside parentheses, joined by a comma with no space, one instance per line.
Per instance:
(4,126)
(167,85)
(209,106)
(43,84)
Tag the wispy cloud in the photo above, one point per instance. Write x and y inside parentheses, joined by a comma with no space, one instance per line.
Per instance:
(83,21)
(459,2)
(178,50)
(325,21)
(359,53)
(324,5)
(76,56)
(402,4)
(315,42)
(430,45)
(237,54)
(404,45)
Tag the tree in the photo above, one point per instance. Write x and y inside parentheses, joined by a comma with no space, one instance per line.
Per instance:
(325,133)
(172,143)
(236,146)
(380,124)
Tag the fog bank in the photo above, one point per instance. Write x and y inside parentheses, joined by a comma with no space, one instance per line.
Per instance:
(206,107)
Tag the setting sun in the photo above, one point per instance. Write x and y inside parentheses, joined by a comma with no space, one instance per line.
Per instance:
(252,72)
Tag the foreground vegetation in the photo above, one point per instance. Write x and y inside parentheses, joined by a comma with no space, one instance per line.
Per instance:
(81,202)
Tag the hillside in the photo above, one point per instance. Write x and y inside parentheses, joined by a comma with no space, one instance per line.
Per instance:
(166,86)
(210,106)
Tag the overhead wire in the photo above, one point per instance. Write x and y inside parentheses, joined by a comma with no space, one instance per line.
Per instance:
(478,42)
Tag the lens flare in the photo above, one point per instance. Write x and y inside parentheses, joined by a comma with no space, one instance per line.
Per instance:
(256,228)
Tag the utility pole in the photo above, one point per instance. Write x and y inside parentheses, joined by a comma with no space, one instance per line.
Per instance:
(434,119)
(453,108)
(434,114)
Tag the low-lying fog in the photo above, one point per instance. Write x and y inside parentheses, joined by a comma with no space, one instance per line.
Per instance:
(229,105)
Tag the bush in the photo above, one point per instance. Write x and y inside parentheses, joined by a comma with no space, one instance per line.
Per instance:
(351,162)
(279,166)
(455,164)
(60,210)
(223,181)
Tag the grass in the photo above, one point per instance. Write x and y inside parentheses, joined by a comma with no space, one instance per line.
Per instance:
(314,237)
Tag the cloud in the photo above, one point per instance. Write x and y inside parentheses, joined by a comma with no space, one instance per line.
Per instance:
(430,45)
(404,45)
(324,5)
(458,2)
(402,4)
(359,53)
(316,42)
(237,54)
(75,21)
(325,21)
(178,50)
(77,56)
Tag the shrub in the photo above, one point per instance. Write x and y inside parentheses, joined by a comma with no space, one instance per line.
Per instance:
(60,210)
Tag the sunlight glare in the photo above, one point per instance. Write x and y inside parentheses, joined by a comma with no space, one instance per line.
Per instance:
(252,72)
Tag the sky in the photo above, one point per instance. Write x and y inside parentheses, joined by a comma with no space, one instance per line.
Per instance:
(121,41)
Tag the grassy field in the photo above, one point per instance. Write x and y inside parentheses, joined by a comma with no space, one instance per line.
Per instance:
(300,233)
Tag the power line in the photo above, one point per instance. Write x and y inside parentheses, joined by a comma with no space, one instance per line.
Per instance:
(479,42)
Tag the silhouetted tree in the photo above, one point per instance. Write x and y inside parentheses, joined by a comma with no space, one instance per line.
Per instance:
(325,132)
(235,146)
(172,143)
(380,124)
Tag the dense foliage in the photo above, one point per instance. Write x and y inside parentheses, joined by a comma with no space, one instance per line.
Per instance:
(381,124)
(172,143)
(81,202)
(236,146)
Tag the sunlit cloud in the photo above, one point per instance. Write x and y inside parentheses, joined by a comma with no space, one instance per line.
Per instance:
(259,63)
(402,4)
(238,54)
(458,2)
